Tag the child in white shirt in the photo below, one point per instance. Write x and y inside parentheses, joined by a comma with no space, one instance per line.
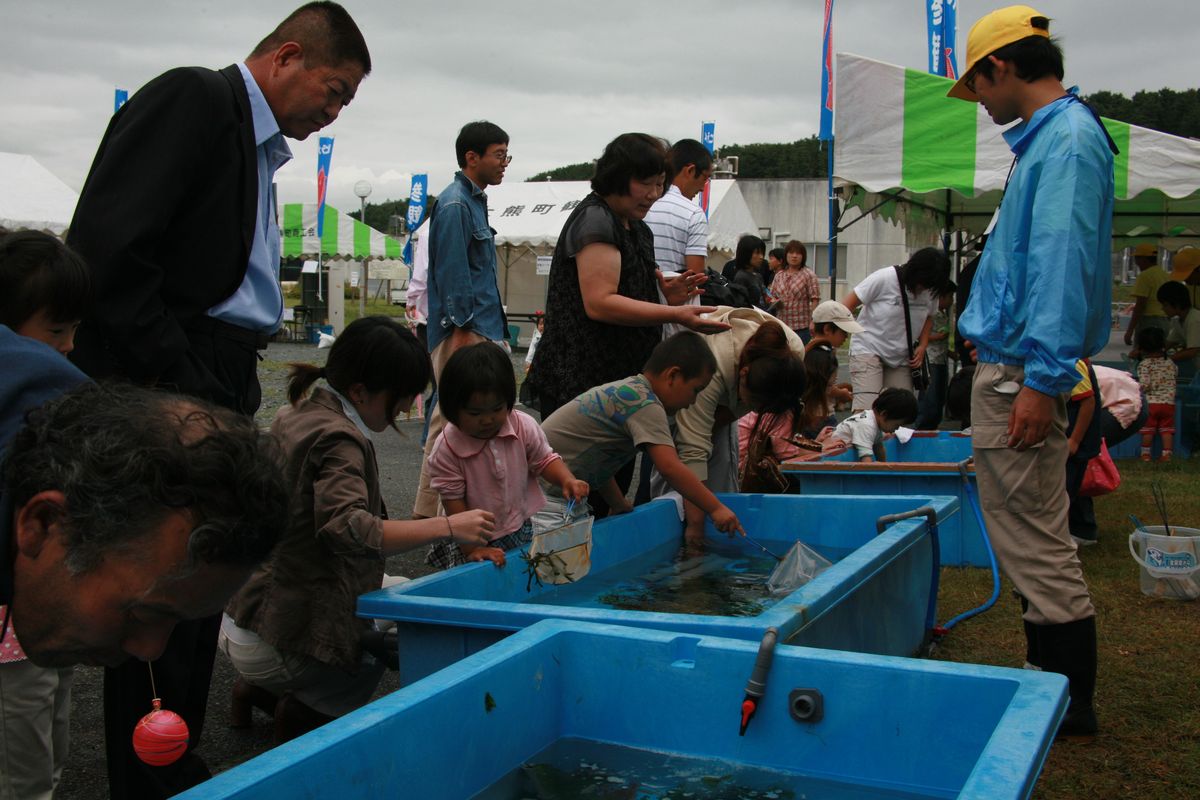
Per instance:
(864,431)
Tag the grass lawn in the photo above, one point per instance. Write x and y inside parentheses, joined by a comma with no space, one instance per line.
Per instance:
(1148,693)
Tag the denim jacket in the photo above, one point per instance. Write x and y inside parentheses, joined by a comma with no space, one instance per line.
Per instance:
(462,289)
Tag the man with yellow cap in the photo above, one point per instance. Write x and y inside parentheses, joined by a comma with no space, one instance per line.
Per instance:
(1183,269)
(1147,311)
(1040,301)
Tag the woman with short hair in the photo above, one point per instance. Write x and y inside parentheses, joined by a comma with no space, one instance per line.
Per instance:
(602,312)
(796,291)
(603,316)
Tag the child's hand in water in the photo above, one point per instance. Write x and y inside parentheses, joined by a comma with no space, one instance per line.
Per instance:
(575,489)
(471,528)
(492,554)
(726,521)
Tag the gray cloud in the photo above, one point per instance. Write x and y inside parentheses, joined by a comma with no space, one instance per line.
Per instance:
(562,77)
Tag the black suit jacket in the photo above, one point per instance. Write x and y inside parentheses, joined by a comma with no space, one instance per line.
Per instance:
(165,220)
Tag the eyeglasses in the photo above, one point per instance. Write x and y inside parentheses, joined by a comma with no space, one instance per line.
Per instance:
(970,82)
(503,157)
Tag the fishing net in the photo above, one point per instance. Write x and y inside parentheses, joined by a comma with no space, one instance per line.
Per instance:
(799,566)
(562,553)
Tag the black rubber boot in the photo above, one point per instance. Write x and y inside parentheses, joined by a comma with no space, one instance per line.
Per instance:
(1070,649)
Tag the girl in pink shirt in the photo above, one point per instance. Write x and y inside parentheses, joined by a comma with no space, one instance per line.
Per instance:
(489,456)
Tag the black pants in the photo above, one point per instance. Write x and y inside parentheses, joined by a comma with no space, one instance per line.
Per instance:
(182,676)
(1082,515)
(183,672)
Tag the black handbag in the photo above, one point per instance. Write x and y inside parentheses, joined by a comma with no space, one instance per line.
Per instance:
(920,375)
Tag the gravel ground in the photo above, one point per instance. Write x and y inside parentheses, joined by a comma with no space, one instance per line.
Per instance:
(399,458)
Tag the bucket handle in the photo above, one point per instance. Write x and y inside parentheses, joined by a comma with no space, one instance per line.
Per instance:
(1175,573)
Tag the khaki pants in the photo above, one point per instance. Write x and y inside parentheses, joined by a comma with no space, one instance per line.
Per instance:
(427,501)
(1024,501)
(869,376)
(35,715)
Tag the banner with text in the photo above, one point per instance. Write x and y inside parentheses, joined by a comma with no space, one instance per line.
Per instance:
(941,21)
(324,156)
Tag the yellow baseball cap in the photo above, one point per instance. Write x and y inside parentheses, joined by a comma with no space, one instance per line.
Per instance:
(1146,249)
(1184,262)
(993,31)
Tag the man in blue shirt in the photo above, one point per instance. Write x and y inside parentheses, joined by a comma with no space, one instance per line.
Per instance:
(463,294)
(177,222)
(1040,301)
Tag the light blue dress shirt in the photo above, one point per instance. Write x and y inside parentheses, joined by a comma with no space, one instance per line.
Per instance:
(258,303)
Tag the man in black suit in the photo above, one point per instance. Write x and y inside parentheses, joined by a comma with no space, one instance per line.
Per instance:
(177,222)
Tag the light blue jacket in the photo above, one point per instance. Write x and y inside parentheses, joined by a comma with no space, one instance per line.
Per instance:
(462,288)
(1042,295)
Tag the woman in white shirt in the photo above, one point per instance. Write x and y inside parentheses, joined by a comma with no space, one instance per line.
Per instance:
(879,356)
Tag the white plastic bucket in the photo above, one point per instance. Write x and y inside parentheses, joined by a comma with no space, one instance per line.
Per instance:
(1170,565)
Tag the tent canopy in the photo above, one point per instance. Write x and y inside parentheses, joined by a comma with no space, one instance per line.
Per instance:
(905,150)
(32,197)
(534,213)
(344,236)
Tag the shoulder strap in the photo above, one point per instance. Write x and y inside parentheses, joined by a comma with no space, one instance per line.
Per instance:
(907,321)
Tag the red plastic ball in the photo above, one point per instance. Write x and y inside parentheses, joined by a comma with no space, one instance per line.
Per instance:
(160,737)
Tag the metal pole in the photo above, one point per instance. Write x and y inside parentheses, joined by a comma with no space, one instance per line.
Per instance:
(833,231)
(362,288)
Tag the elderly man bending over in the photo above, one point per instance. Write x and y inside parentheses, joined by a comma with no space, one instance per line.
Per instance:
(125,511)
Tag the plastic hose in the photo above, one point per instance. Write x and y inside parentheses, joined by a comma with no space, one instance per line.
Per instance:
(936,557)
(756,687)
(973,501)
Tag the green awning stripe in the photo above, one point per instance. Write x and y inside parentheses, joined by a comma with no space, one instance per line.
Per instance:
(1119,131)
(392,248)
(293,230)
(939,137)
(329,241)
(362,240)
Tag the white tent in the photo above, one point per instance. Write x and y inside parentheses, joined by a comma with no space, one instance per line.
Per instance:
(32,197)
(899,138)
(344,236)
(534,213)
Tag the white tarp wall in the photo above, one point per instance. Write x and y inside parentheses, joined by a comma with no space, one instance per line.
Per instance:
(32,197)
(533,214)
(799,209)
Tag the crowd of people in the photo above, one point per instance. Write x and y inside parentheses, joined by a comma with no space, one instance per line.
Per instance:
(145,515)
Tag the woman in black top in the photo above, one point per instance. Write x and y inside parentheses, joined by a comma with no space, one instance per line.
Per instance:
(748,260)
(602,312)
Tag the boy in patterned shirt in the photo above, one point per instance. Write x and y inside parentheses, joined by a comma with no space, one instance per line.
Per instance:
(602,429)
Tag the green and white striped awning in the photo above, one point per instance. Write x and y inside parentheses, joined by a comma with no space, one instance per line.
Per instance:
(899,136)
(345,237)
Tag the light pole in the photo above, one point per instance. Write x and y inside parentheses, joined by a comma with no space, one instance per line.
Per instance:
(363,190)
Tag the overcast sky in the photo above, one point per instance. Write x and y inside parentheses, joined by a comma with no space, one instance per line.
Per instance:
(562,77)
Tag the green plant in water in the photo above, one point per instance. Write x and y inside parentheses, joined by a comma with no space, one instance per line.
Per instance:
(552,560)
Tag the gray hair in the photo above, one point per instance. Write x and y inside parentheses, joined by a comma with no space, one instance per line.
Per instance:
(126,457)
